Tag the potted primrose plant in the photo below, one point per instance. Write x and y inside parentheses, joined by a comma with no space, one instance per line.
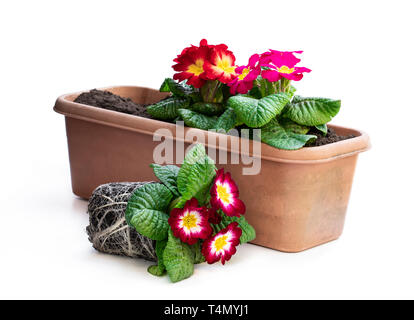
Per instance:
(300,196)
(214,94)
(194,215)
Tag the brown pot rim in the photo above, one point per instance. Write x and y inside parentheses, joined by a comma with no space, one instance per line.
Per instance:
(345,148)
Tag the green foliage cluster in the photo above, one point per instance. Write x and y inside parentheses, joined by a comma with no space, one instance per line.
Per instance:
(149,206)
(284,118)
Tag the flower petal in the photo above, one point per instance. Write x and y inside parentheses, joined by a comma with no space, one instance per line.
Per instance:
(190,63)
(253,60)
(293,76)
(225,195)
(271,75)
(284,58)
(214,217)
(222,245)
(190,223)
(221,66)
(302,69)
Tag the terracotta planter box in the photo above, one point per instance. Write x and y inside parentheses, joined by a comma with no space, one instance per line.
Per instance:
(298,200)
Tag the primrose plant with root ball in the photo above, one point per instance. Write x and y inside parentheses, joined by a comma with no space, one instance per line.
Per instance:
(194,214)
(213,93)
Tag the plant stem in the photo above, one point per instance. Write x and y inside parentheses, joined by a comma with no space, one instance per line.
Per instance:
(216,87)
(210,90)
(173,204)
(284,85)
(288,86)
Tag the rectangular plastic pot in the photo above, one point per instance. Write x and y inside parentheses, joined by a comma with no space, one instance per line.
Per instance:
(298,200)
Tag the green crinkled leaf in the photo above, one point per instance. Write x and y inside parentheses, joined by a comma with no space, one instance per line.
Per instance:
(227,121)
(155,270)
(150,223)
(248,232)
(198,256)
(312,111)
(285,134)
(167,175)
(178,259)
(197,120)
(168,109)
(159,269)
(208,109)
(145,210)
(159,250)
(153,196)
(178,89)
(196,175)
(323,128)
(258,112)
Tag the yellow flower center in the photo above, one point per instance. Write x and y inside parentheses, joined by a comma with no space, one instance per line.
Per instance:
(220,242)
(197,67)
(285,69)
(225,65)
(244,73)
(223,194)
(189,221)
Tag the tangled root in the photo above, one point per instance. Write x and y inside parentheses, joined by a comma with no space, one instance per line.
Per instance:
(108,231)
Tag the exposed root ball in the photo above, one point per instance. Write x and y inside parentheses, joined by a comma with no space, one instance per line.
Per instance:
(108,231)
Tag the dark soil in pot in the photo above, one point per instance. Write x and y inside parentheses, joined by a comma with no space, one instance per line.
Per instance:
(330,137)
(110,101)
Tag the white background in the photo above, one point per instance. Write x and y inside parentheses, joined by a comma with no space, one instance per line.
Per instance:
(359,51)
